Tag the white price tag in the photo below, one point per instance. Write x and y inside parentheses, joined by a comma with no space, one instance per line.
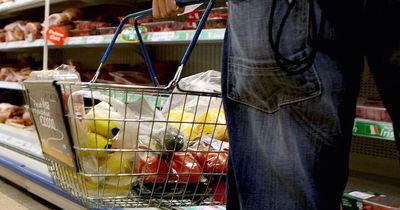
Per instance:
(361,195)
(162,36)
(74,41)
(95,40)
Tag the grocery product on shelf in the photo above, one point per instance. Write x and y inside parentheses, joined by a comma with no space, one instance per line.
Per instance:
(15,116)
(361,200)
(2,35)
(33,31)
(163,26)
(15,31)
(65,17)
(9,74)
(372,109)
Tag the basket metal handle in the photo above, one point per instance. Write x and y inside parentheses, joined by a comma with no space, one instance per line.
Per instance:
(146,13)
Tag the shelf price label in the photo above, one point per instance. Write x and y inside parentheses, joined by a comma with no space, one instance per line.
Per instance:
(162,36)
(56,36)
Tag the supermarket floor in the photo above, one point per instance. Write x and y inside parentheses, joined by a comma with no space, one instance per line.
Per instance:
(13,197)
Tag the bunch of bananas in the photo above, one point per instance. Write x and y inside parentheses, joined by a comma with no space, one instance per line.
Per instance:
(210,122)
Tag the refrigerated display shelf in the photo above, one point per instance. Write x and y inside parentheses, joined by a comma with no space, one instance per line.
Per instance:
(11,85)
(168,37)
(20,5)
(23,141)
(373,129)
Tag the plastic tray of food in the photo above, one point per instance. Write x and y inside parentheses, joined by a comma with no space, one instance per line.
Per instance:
(163,26)
(86,25)
(216,22)
(106,30)
(2,35)
(372,109)
(84,32)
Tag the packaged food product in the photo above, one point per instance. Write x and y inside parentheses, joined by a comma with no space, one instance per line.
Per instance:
(2,35)
(84,25)
(106,30)
(73,13)
(216,22)
(163,26)
(58,19)
(221,12)
(101,24)
(32,31)
(381,203)
(372,109)
(84,32)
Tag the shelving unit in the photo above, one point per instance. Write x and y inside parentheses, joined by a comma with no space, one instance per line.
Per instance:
(172,37)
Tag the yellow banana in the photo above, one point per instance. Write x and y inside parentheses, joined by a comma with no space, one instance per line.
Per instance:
(106,128)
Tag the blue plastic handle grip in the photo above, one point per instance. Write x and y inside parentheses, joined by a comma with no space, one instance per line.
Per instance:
(182,3)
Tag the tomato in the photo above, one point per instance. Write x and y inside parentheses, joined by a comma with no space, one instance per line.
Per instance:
(212,162)
(154,164)
(220,192)
(186,167)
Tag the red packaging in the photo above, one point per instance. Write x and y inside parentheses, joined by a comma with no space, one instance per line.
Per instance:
(107,30)
(2,35)
(86,32)
(381,203)
(372,110)
(84,25)
(216,22)
(163,26)
(152,163)
(186,168)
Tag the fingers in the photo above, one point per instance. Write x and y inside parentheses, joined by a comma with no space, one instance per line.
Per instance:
(165,8)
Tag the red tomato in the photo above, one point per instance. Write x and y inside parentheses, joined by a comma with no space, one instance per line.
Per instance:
(220,191)
(213,162)
(154,164)
(186,168)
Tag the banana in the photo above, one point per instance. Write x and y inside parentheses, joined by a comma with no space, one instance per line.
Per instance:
(94,140)
(106,128)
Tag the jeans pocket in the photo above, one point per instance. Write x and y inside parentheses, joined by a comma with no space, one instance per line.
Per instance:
(266,87)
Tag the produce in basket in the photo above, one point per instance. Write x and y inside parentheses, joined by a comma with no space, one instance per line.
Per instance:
(94,140)
(208,123)
(154,165)
(101,123)
(186,168)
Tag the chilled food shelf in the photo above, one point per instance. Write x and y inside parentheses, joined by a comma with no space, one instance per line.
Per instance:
(11,85)
(26,142)
(373,129)
(167,37)
(20,5)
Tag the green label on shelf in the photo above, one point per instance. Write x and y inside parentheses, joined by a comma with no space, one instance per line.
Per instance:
(373,129)
(129,34)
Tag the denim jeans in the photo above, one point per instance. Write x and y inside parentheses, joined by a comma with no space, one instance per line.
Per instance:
(290,133)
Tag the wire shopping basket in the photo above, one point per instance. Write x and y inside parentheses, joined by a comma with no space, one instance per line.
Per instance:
(141,146)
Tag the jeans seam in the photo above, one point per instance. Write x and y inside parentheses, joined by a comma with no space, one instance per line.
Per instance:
(284,103)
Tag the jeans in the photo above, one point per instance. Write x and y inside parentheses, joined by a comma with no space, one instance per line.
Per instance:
(290,133)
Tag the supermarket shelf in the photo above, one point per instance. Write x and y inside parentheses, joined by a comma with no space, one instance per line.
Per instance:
(24,142)
(373,129)
(170,37)
(33,176)
(20,5)
(11,85)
